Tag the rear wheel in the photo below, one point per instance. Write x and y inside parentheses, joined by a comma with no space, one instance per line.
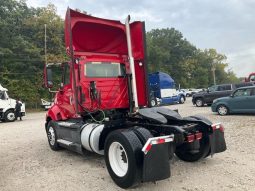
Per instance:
(206,121)
(222,110)
(9,116)
(199,102)
(186,154)
(153,102)
(123,157)
(182,99)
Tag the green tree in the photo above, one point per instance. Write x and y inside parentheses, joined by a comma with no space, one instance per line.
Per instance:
(170,52)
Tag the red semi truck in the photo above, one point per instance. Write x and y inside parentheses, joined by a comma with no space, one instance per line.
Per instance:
(103,106)
(251,77)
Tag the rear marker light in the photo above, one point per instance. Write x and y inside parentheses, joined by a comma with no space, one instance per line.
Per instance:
(190,138)
(218,126)
(198,136)
(155,141)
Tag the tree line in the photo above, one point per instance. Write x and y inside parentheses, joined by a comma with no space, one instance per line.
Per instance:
(22,52)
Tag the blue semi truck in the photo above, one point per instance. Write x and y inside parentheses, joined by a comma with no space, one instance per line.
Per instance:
(163,91)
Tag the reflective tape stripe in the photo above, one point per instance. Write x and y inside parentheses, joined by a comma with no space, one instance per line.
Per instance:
(155,141)
(218,126)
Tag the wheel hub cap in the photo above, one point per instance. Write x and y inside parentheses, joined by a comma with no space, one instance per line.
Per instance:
(11,116)
(51,135)
(222,110)
(118,159)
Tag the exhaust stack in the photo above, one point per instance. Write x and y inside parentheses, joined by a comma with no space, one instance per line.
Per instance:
(132,63)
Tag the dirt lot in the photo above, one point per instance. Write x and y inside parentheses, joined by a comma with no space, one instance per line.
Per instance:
(27,162)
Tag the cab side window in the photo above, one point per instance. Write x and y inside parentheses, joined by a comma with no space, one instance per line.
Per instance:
(2,95)
(66,77)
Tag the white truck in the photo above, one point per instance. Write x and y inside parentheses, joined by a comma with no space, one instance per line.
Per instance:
(7,106)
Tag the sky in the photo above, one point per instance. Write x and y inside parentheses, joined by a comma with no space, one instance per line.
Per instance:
(225,25)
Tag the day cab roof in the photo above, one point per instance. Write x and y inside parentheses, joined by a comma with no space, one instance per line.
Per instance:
(98,38)
(87,34)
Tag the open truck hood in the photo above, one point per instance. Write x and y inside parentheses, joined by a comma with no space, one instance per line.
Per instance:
(90,34)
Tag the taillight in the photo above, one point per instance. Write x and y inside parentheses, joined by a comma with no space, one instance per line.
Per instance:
(218,126)
(190,138)
(198,136)
(193,137)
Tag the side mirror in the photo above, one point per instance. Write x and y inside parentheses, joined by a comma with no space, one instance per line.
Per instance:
(48,82)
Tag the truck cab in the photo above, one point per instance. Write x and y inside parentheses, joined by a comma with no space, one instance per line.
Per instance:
(251,78)
(163,90)
(7,106)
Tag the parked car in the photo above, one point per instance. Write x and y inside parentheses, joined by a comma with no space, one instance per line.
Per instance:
(241,101)
(181,91)
(192,91)
(214,92)
(188,92)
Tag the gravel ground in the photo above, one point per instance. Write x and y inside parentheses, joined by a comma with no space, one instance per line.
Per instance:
(27,162)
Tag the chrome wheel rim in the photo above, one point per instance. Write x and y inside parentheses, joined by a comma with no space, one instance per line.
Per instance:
(199,103)
(222,110)
(153,103)
(11,116)
(118,159)
(51,136)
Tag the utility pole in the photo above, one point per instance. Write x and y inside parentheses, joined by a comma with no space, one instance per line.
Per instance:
(213,70)
(45,43)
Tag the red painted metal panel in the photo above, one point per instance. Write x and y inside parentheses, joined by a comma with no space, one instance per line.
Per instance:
(96,39)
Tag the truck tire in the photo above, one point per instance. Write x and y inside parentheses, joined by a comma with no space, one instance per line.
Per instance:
(182,99)
(199,102)
(185,155)
(123,157)
(9,116)
(153,102)
(142,134)
(52,136)
(222,110)
(202,118)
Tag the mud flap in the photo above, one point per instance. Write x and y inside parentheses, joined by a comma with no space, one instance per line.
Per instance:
(217,142)
(156,164)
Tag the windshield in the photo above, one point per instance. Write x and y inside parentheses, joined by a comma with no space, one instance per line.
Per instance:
(3,95)
(104,69)
(212,88)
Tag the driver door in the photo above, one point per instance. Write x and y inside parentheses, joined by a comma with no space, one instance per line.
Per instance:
(240,103)
(65,95)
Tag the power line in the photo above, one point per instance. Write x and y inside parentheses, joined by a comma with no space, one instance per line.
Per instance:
(17,73)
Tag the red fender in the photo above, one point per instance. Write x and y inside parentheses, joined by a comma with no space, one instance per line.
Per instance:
(56,114)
